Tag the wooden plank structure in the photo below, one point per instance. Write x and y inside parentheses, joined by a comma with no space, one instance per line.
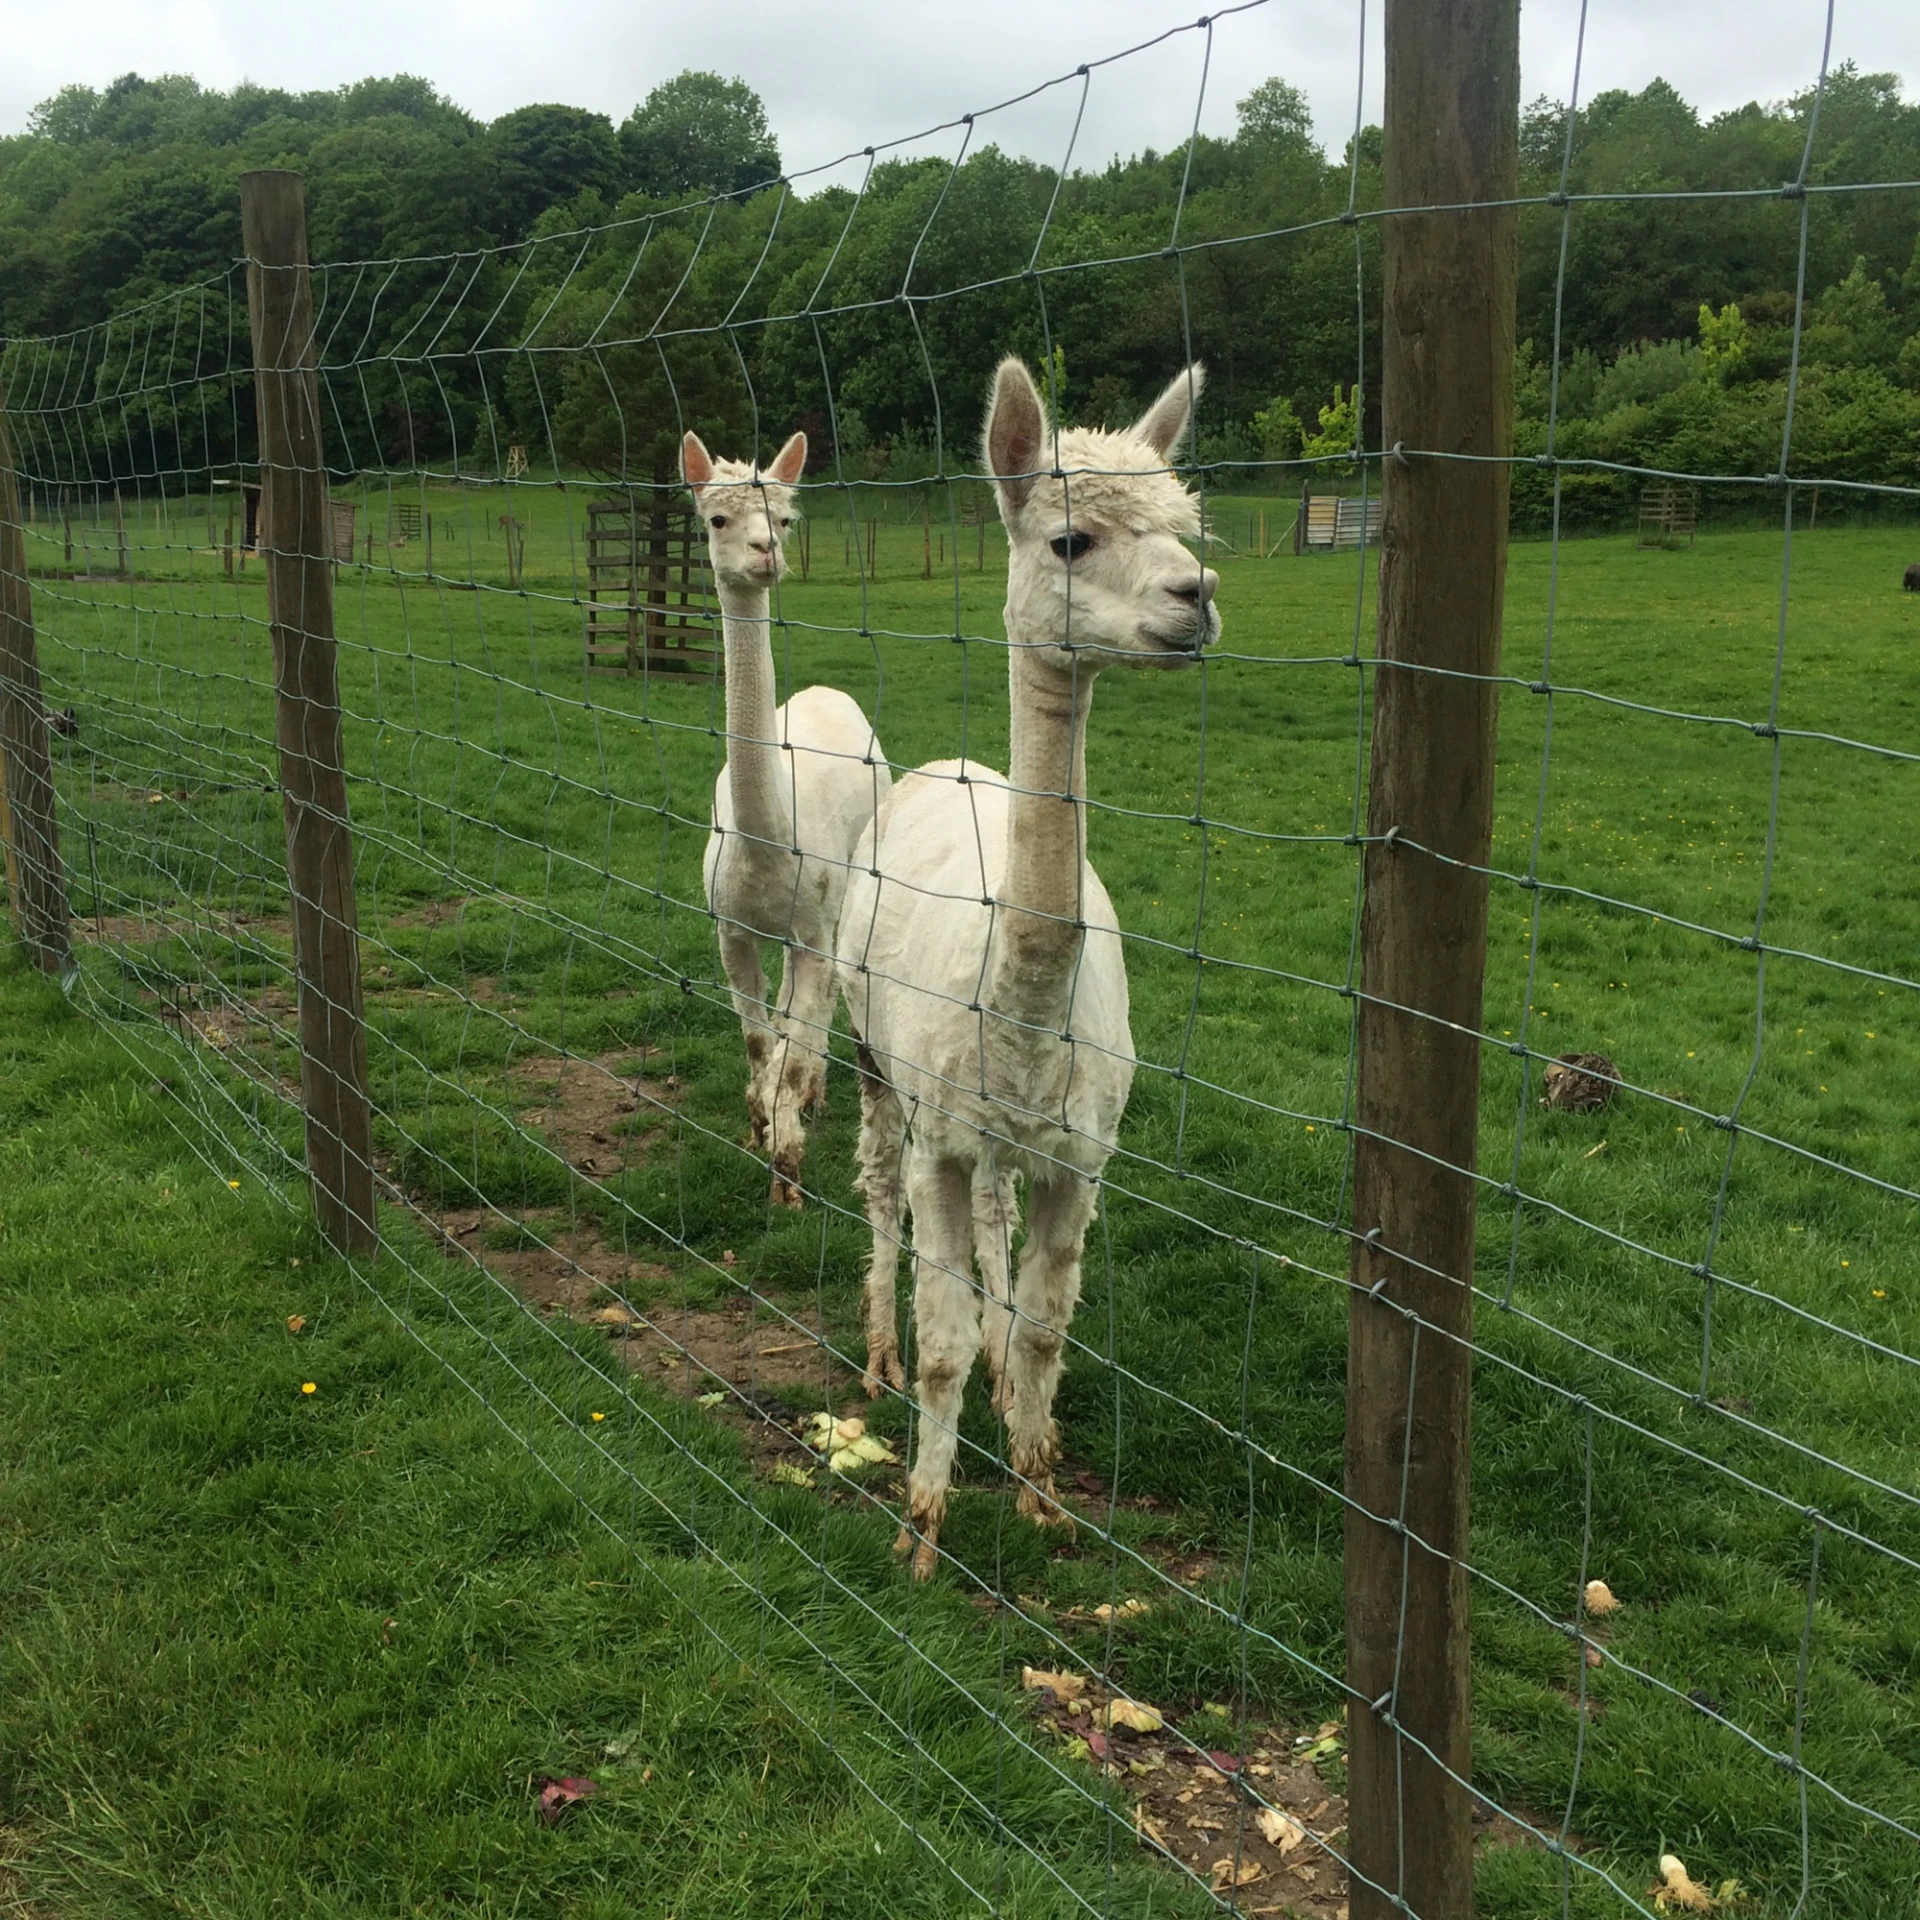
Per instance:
(650,604)
(342,514)
(1667,514)
(1335,523)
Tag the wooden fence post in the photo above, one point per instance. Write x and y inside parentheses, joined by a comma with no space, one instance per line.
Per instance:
(1452,110)
(313,784)
(36,881)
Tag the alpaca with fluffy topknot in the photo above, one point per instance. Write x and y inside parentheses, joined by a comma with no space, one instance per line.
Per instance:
(980,956)
(800,786)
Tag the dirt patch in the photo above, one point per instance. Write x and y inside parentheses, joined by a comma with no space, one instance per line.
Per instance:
(771,1371)
(426,913)
(774,1369)
(601,1116)
(143,929)
(256,1037)
(1261,1826)
(574,1272)
(441,913)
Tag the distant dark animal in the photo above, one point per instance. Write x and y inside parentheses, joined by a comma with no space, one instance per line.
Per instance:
(66,723)
(1581,1082)
(1912,581)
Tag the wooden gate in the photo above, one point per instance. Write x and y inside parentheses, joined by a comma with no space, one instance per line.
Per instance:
(650,599)
(1667,515)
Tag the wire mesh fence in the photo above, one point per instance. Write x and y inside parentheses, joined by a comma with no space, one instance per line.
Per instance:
(1694,1540)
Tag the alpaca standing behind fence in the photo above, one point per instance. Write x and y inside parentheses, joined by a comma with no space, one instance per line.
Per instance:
(800,785)
(980,955)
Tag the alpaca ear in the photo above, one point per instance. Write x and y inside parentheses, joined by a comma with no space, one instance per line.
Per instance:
(790,462)
(1169,420)
(1016,431)
(696,463)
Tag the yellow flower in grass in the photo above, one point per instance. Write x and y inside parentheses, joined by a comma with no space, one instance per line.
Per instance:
(309,1386)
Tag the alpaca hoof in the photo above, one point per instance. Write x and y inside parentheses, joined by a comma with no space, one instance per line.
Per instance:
(925,1551)
(785,1193)
(883,1370)
(1039,1505)
(920,1532)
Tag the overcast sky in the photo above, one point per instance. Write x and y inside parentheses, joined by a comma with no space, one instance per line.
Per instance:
(840,75)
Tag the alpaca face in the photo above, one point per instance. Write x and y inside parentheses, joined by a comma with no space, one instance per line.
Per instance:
(746,513)
(1096,560)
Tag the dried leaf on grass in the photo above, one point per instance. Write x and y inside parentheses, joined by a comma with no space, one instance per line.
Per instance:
(1063,1686)
(296,1322)
(1135,1715)
(713,1399)
(792,1475)
(1678,1890)
(1126,1610)
(1226,1874)
(554,1797)
(1149,1830)
(1280,1830)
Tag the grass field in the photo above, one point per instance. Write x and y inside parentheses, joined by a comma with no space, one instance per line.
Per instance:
(530,887)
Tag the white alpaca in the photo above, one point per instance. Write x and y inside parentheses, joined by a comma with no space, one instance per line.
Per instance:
(799,787)
(979,953)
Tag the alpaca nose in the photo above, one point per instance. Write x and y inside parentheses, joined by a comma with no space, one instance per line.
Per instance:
(1197,592)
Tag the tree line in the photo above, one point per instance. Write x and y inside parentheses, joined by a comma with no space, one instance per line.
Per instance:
(578,287)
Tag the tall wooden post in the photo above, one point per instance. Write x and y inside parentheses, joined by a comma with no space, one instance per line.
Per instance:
(1452,111)
(313,784)
(36,881)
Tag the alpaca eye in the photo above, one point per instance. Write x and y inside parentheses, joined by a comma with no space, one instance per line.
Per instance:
(1070,546)
(786,520)
(718,521)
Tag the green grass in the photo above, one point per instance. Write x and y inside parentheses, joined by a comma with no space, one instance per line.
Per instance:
(572,832)
(272,1652)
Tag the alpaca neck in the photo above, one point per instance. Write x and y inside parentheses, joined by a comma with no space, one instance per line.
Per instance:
(757,775)
(1042,927)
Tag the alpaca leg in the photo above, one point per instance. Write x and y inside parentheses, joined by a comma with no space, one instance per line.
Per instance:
(1058,1214)
(883,1147)
(747,976)
(946,1323)
(996,1212)
(797,1074)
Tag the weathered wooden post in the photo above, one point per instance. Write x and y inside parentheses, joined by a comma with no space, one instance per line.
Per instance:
(36,881)
(313,784)
(1452,113)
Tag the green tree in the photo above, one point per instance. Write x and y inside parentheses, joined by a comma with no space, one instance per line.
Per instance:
(1278,429)
(698,133)
(1724,339)
(1339,426)
(1276,113)
(548,155)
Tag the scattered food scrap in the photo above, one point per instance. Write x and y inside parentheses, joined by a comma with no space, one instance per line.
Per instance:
(553,1797)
